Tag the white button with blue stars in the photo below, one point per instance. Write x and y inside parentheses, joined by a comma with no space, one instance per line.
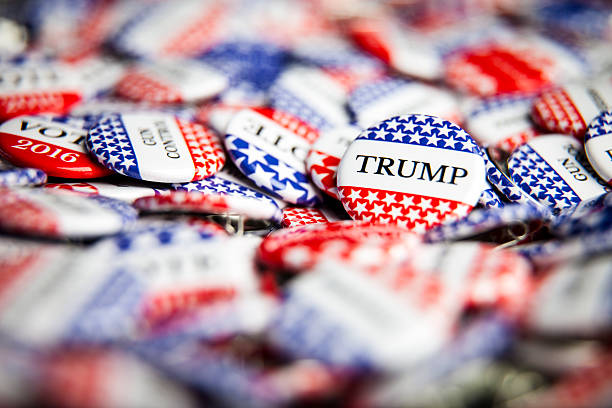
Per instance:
(598,145)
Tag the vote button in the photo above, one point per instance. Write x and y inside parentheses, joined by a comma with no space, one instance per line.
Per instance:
(413,170)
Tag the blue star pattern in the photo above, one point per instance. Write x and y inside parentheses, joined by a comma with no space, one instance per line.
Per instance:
(109,142)
(271,174)
(487,105)
(370,93)
(482,220)
(144,237)
(600,126)
(285,100)
(535,176)
(588,217)
(506,186)
(11,176)
(303,330)
(490,199)
(422,130)
(341,56)
(575,16)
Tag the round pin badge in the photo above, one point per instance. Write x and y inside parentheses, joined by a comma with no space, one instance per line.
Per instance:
(270,147)
(124,191)
(155,147)
(11,176)
(598,145)
(570,108)
(298,216)
(526,64)
(56,148)
(414,170)
(311,95)
(171,81)
(325,154)
(489,198)
(62,214)
(502,122)
(382,99)
(210,203)
(554,171)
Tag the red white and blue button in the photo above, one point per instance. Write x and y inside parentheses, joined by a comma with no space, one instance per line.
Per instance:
(598,145)
(156,147)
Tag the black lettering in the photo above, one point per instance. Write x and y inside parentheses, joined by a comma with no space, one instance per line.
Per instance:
(45,132)
(24,125)
(456,174)
(381,165)
(609,151)
(365,162)
(401,167)
(427,168)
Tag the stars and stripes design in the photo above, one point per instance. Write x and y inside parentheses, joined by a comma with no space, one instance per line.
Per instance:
(21,214)
(490,199)
(218,185)
(535,176)
(271,174)
(416,212)
(555,111)
(108,140)
(322,168)
(31,103)
(298,216)
(286,100)
(204,147)
(368,94)
(137,85)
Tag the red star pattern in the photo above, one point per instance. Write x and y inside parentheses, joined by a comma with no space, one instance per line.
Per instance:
(510,143)
(556,112)
(37,102)
(322,169)
(415,212)
(291,123)
(140,86)
(19,214)
(184,201)
(495,69)
(160,306)
(84,188)
(204,146)
(297,216)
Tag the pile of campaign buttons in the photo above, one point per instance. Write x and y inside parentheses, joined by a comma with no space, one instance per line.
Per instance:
(305,203)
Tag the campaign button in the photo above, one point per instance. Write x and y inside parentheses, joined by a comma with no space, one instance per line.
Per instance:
(502,122)
(210,203)
(382,99)
(62,214)
(37,86)
(171,81)
(124,191)
(598,145)
(298,216)
(56,148)
(311,95)
(570,108)
(489,198)
(554,171)
(270,147)
(526,64)
(155,147)
(413,170)
(11,176)
(325,154)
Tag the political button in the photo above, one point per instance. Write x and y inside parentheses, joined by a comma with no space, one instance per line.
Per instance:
(498,176)
(54,147)
(300,248)
(270,147)
(570,108)
(311,95)
(62,214)
(554,171)
(489,198)
(414,170)
(210,203)
(11,176)
(525,64)
(598,145)
(379,100)
(155,147)
(594,215)
(325,154)
(502,122)
(122,190)
(405,51)
(171,81)
(36,86)
(298,216)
